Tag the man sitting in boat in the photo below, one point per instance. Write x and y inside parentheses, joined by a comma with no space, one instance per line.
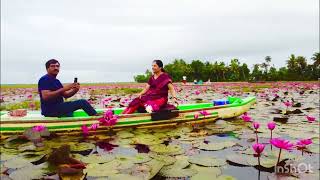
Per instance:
(155,95)
(52,94)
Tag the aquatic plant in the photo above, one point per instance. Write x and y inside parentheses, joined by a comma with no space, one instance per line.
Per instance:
(281,144)
(302,143)
(271,125)
(310,118)
(258,148)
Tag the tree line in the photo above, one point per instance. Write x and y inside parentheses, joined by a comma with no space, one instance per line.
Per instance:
(296,69)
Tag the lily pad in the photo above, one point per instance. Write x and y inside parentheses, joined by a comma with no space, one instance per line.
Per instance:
(205,173)
(206,161)
(216,146)
(226,177)
(81,147)
(27,173)
(168,150)
(96,158)
(125,134)
(167,160)
(100,170)
(16,163)
(155,166)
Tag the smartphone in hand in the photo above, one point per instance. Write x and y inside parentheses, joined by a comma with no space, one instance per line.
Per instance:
(75,80)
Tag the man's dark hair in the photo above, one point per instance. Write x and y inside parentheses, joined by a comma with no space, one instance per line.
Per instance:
(51,61)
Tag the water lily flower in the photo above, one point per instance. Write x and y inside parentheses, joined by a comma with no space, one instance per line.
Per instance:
(258,148)
(245,117)
(85,130)
(38,128)
(271,125)
(281,144)
(256,125)
(196,116)
(304,142)
(197,92)
(310,119)
(287,104)
(204,113)
(29,96)
(94,127)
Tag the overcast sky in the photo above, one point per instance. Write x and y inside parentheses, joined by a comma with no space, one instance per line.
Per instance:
(104,40)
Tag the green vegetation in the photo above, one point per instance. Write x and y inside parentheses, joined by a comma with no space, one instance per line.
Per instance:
(120,91)
(20,105)
(297,69)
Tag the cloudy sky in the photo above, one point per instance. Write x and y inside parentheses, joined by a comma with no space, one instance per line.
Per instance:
(106,40)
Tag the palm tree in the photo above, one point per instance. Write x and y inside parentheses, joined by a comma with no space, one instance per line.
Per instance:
(316,59)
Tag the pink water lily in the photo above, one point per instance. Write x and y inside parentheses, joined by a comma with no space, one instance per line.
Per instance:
(204,113)
(245,117)
(287,104)
(310,118)
(281,144)
(108,119)
(304,142)
(258,148)
(85,130)
(197,92)
(256,125)
(38,128)
(94,127)
(196,116)
(271,125)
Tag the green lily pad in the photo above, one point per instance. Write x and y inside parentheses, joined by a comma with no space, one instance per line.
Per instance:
(16,163)
(178,173)
(205,173)
(155,166)
(169,150)
(27,173)
(216,146)
(314,149)
(95,158)
(101,170)
(146,139)
(238,159)
(226,177)
(81,146)
(122,177)
(5,157)
(206,161)
(125,134)
(139,158)
(167,160)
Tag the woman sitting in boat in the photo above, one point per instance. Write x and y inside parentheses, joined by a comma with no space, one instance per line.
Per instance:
(155,95)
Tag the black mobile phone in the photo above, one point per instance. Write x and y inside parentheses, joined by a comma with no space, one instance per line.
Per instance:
(75,80)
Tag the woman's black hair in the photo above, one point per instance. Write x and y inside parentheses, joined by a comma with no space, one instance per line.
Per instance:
(160,64)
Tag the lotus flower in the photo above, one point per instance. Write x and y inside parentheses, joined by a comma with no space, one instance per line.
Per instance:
(94,127)
(29,96)
(258,148)
(311,119)
(246,118)
(108,119)
(204,113)
(287,104)
(196,116)
(38,128)
(304,142)
(256,125)
(271,125)
(197,92)
(281,144)
(85,130)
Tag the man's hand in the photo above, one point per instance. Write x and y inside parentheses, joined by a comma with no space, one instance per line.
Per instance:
(69,86)
(77,86)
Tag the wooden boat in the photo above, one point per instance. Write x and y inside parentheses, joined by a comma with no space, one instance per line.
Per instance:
(184,114)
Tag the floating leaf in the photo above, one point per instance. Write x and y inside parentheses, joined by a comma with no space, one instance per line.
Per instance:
(27,173)
(99,170)
(177,173)
(167,160)
(125,134)
(155,166)
(205,173)
(239,159)
(96,158)
(206,161)
(17,162)
(226,177)
(81,146)
(169,150)
(122,177)
(216,146)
